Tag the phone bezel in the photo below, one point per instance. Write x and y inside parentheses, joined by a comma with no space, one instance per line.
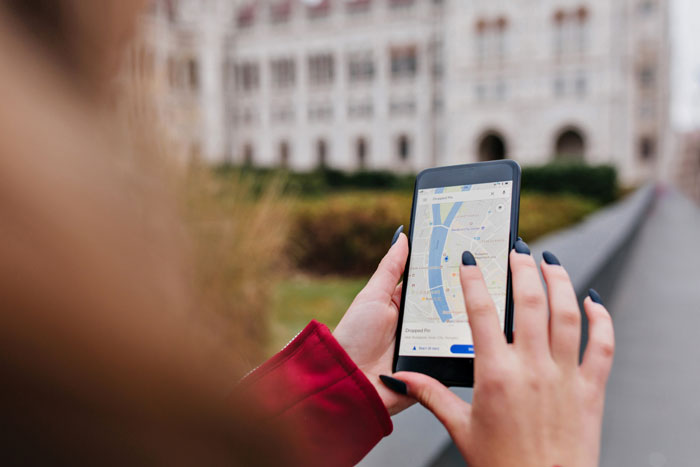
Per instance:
(459,371)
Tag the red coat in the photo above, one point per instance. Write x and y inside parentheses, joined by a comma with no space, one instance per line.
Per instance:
(313,387)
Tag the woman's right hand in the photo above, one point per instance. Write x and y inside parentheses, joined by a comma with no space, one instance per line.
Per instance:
(533,403)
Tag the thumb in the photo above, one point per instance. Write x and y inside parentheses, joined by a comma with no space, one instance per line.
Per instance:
(452,411)
(391,267)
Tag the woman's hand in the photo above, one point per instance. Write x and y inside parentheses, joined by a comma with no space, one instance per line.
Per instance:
(533,404)
(368,329)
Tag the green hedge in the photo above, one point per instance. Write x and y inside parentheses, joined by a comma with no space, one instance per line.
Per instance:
(594,182)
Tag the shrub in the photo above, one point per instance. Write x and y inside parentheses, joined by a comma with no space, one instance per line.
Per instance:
(595,182)
(541,214)
(348,233)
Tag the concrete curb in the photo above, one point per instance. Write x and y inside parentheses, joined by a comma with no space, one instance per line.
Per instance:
(586,250)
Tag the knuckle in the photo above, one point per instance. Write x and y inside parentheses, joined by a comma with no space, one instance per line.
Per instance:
(493,381)
(480,307)
(606,349)
(570,317)
(531,299)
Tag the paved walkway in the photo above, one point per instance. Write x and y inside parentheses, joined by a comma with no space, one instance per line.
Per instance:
(652,415)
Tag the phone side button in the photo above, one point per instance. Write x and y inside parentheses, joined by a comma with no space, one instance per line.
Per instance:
(461,348)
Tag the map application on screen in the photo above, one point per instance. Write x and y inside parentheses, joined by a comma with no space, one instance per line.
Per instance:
(450,220)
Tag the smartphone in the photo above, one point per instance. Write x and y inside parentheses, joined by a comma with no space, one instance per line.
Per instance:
(464,207)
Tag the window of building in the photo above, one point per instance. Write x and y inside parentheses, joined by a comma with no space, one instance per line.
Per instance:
(401,4)
(319,10)
(248,154)
(284,154)
(646,7)
(245,16)
(358,6)
(646,76)
(247,76)
(491,146)
(570,31)
(360,109)
(404,62)
(570,145)
(403,147)
(281,11)
(361,152)
(282,113)
(581,84)
(559,86)
(647,148)
(402,107)
(437,58)
(321,69)
(193,73)
(283,73)
(321,111)
(491,38)
(360,66)
(322,152)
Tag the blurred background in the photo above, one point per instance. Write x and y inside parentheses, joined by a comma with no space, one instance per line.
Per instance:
(333,106)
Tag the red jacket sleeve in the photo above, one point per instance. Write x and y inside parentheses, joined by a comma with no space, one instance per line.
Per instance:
(313,387)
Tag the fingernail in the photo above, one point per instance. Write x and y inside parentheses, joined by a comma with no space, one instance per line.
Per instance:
(520,239)
(468,259)
(549,258)
(595,296)
(394,384)
(396,234)
(522,248)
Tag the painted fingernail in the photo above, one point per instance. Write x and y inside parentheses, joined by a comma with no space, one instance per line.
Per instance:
(468,259)
(595,296)
(394,384)
(549,258)
(396,234)
(522,248)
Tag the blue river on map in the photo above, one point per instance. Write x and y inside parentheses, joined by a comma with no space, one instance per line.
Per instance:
(438,237)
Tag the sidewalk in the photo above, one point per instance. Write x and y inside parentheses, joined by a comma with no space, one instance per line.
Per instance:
(652,415)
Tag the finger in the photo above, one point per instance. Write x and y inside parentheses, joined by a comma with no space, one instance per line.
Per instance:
(452,411)
(489,339)
(390,269)
(530,304)
(598,358)
(564,313)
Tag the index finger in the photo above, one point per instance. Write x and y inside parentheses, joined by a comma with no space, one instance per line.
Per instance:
(489,339)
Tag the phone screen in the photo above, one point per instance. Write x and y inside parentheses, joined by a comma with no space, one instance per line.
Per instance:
(448,221)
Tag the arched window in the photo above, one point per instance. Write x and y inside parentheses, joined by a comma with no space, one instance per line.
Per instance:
(284,154)
(570,145)
(322,152)
(647,148)
(492,146)
(248,154)
(361,152)
(403,147)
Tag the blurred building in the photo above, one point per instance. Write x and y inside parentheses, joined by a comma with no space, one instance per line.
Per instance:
(408,84)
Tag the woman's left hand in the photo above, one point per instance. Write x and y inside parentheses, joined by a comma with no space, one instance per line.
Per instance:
(368,329)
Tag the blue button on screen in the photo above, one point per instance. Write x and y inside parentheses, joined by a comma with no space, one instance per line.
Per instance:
(461,348)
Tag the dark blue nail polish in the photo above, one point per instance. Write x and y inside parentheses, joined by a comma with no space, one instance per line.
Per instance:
(468,259)
(549,258)
(522,248)
(396,234)
(595,296)
(394,384)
